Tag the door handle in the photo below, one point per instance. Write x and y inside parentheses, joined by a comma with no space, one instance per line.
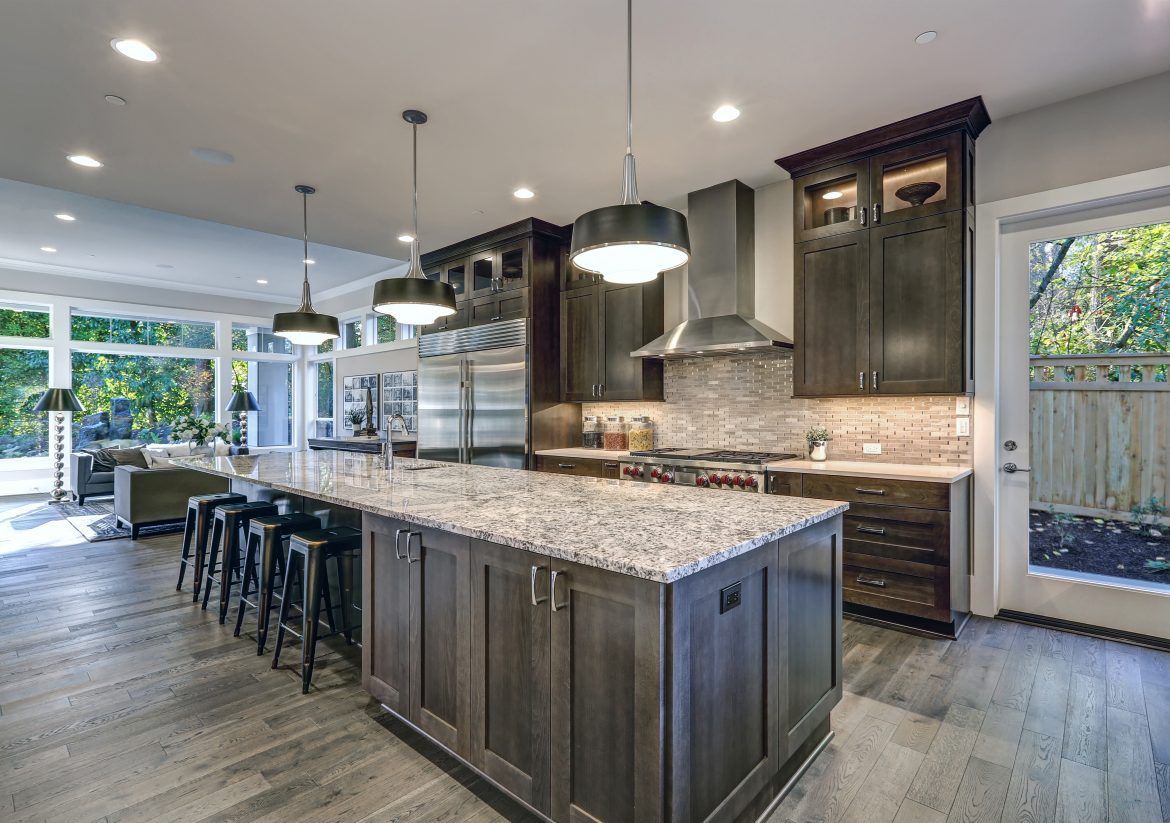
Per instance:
(1012,468)
(595,390)
(877,213)
(601,390)
(861,215)
(861,380)
(552,591)
(409,536)
(532,572)
(874,382)
(398,542)
(871,581)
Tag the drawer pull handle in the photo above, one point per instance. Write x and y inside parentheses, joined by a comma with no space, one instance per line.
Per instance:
(566,465)
(871,581)
(870,530)
(870,491)
(610,465)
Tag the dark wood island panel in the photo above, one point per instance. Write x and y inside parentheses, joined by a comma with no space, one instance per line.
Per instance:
(591,695)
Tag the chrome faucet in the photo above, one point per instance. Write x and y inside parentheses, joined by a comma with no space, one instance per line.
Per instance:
(388,449)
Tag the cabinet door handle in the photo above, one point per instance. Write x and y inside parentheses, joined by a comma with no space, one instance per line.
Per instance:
(595,390)
(532,572)
(397,543)
(870,530)
(870,491)
(861,380)
(871,581)
(497,317)
(601,390)
(861,214)
(877,213)
(409,537)
(874,381)
(566,465)
(552,591)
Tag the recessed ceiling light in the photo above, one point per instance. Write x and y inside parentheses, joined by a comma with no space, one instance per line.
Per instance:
(48,249)
(66,216)
(85,160)
(115,100)
(134,49)
(926,37)
(213,156)
(523,193)
(309,261)
(832,195)
(406,238)
(262,282)
(725,113)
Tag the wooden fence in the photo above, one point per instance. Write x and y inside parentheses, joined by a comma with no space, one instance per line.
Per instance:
(1100,432)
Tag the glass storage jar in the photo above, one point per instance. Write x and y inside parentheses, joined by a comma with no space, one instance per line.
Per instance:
(591,432)
(615,436)
(641,434)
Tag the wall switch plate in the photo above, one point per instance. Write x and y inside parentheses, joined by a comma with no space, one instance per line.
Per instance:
(962,406)
(963,426)
(730,597)
(871,448)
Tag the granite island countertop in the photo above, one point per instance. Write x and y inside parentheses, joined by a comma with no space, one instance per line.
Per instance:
(660,533)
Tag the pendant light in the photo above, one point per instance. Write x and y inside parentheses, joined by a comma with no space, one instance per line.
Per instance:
(414,299)
(305,326)
(631,242)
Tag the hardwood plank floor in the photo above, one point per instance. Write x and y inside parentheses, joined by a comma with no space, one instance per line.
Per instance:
(121,701)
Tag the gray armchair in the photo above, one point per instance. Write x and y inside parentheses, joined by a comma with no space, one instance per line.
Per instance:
(144,497)
(86,481)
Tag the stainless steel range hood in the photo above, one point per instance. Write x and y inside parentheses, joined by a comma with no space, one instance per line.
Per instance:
(721,282)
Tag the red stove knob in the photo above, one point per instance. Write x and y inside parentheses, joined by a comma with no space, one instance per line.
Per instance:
(665,478)
(739,481)
(702,481)
(655,472)
(725,480)
(627,471)
(751,481)
(713,480)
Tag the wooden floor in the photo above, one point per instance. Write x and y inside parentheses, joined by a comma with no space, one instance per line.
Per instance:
(121,701)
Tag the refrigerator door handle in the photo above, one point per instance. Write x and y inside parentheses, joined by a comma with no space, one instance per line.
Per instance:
(463,456)
(469,413)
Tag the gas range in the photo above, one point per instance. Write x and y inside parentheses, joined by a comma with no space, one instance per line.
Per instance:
(703,468)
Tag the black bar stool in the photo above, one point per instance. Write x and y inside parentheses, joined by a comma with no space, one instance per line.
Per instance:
(227,524)
(197,529)
(307,556)
(266,536)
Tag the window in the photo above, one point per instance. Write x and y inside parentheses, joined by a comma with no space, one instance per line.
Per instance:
(137,397)
(325,348)
(23,432)
(93,328)
(258,338)
(17,320)
(351,334)
(323,386)
(272,384)
(387,329)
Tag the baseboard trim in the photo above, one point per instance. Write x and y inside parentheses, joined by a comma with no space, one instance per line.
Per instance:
(1089,630)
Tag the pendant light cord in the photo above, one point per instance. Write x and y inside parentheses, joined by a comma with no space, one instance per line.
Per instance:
(306,301)
(415,270)
(629,178)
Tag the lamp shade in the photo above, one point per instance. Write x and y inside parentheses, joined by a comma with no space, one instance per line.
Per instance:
(305,327)
(59,400)
(630,243)
(414,300)
(243,401)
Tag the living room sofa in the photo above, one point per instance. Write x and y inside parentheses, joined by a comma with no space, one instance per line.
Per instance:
(145,497)
(86,481)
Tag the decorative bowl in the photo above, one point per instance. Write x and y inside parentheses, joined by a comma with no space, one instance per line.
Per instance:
(917,193)
(837,214)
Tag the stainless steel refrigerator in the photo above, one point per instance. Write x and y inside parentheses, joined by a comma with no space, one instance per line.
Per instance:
(473,395)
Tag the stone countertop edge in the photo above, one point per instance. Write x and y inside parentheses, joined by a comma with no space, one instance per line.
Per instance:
(885,471)
(602,560)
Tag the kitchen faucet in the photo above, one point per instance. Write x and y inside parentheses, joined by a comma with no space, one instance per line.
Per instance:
(388,449)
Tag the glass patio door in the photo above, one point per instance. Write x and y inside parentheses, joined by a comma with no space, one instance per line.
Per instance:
(1084,422)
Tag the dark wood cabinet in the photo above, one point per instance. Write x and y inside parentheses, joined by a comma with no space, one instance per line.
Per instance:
(504,305)
(883,223)
(386,624)
(600,326)
(579,466)
(832,315)
(573,277)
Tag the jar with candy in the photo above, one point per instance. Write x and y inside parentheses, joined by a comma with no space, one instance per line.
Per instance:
(615,435)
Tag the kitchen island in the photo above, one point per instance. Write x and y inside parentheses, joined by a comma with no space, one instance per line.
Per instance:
(599,650)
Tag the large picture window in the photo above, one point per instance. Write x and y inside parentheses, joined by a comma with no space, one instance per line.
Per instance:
(272,384)
(258,338)
(143,331)
(18,320)
(136,397)
(23,432)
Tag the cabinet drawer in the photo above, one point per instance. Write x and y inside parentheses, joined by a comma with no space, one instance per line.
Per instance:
(924,534)
(787,483)
(577,466)
(912,493)
(892,591)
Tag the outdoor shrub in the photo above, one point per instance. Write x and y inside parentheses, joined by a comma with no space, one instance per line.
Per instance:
(1148,516)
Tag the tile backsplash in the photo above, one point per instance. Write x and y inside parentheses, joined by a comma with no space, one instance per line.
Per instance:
(746,402)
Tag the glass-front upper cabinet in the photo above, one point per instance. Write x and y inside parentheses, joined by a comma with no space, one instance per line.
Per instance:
(916,181)
(455,275)
(483,273)
(833,201)
(513,263)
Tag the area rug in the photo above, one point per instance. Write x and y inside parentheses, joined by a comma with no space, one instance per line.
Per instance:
(96,521)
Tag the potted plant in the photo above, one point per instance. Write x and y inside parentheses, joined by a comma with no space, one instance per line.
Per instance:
(356,418)
(817,438)
(199,431)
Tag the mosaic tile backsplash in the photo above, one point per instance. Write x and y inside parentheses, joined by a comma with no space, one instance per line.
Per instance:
(746,402)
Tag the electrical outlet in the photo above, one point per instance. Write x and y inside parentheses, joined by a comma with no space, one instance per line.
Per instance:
(871,448)
(963,426)
(962,407)
(730,597)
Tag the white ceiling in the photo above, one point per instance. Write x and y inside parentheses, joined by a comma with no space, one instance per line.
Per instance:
(520,92)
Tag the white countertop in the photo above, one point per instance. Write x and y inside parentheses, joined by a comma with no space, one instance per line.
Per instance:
(888,471)
(660,533)
(582,454)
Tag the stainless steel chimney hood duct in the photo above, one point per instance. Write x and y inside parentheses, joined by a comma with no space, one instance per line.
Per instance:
(721,281)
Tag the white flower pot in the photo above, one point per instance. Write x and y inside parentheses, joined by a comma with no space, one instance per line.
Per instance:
(818,452)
